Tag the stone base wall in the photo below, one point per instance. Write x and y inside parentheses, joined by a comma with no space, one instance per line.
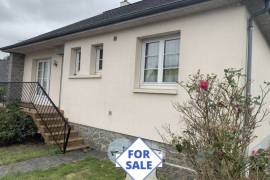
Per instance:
(100,140)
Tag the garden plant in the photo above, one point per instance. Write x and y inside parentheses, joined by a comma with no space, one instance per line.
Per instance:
(15,127)
(220,121)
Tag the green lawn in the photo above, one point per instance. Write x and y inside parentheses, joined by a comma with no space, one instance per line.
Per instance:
(16,153)
(89,168)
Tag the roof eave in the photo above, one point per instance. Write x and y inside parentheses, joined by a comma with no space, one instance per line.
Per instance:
(205,5)
(147,12)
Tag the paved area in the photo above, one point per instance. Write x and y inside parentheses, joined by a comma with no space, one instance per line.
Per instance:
(44,163)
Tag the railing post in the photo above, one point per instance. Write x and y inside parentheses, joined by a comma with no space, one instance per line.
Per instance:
(66,139)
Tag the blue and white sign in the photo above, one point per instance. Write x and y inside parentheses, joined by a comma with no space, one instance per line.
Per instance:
(139,160)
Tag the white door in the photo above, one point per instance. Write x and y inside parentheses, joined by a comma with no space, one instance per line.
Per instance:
(43,75)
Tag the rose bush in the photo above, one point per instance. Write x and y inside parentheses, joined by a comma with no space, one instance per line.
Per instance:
(259,164)
(220,122)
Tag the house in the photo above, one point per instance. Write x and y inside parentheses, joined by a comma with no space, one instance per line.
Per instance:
(115,74)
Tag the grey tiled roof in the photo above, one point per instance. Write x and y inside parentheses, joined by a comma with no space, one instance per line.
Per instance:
(132,11)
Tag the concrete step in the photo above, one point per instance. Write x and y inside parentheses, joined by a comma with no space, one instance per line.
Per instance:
(73,148)
(43,109)
(50,121)
(47,115)
(74,141)
(53,128)
(45,112)
(59,135)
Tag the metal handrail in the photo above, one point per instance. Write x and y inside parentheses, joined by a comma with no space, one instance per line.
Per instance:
(33,94)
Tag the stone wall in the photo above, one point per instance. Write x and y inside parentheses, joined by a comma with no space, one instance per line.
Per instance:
(100,140)
(12,69)
(4,70)
(16,67)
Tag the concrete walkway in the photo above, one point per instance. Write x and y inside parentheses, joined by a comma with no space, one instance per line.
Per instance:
(47,162)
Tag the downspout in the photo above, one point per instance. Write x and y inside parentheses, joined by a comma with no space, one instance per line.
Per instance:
(250,51)
(61,80)
(250,43)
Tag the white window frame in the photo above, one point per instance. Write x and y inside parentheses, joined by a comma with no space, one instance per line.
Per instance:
(98,59)
(159,82)
(77,66)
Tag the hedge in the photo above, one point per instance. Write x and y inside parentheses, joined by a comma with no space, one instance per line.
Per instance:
(15,127)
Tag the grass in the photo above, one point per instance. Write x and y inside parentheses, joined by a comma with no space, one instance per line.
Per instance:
(17,153)
(89,168)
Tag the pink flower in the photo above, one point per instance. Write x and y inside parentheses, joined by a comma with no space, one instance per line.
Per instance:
(203,84)
(254,152)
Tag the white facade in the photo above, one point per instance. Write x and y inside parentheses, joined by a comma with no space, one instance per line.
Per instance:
(114,99)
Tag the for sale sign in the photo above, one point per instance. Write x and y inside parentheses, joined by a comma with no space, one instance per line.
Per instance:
(139,160)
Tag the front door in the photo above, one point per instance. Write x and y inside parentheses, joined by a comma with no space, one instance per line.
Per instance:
(43,74)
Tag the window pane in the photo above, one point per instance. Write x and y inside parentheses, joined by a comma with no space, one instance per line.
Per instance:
(101,54)
(78,60)
(46,70)
(150,75)
(171,61)
(152,49)
(40,73)
(45,85)
(172,46)
(40,66)
(99,58)
(151,62)
(170,75)
(39,92)
(40,81)
(100,65)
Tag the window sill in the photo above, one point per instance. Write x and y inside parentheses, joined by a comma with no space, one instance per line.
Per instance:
(156,91)
(95,76)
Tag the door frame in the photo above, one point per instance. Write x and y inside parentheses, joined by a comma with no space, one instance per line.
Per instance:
(49,74)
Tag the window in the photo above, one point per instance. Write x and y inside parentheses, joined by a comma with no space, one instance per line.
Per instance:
(96,59)
(161,60)
(99,58)
(77,56)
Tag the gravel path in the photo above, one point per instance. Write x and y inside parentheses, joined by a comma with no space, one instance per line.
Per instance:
(44,163)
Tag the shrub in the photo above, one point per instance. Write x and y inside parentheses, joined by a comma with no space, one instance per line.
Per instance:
(220,122)
(15,127)
(259,164)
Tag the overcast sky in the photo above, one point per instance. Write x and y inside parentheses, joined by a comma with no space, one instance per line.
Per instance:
(23,19)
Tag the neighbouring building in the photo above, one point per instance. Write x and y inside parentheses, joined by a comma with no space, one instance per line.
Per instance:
(115,74)
(4,70)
